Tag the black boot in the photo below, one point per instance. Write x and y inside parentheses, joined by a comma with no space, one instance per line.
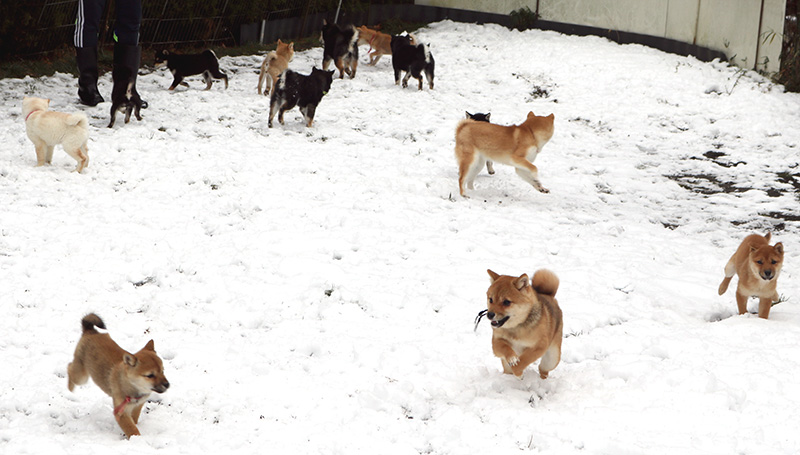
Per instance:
(87,79)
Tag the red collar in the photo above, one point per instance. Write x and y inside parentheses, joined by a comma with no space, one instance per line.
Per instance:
(31,112)
(119,410)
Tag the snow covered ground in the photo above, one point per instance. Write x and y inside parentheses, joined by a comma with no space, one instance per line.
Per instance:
(312,291)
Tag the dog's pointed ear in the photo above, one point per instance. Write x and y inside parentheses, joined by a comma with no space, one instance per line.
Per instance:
(324,21)
(551,116)
(521,282)
(531,114)
(489,117)
(291,46)
(468,114)
(150,346)
(279,41)
(493,276)
(768,236)
(130,359)
(779,248)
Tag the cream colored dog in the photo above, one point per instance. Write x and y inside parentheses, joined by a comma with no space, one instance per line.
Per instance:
(515,145)
(46,129)
(127,378)
(274,64)
(758,265)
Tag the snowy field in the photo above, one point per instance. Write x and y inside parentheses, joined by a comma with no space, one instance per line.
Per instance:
(313,291)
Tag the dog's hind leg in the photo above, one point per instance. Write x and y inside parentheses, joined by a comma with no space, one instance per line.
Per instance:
(207,79)
(551,358)
(76,374)
(41,152)
(469,164)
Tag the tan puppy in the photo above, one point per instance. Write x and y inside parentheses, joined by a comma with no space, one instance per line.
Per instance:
(127,378)
(379,43)
(46,129)
(758,265)
(515,145)
(526,321)
(274,64)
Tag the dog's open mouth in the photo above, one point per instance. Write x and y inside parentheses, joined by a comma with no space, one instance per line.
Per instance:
(498,324)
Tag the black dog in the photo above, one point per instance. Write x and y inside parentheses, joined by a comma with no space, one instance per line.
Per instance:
(341,47)
(124,97)
(295,89)
(413,59)
(191,64)
(483,118)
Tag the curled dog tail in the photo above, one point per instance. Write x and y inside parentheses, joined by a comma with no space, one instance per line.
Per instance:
(79,119)
(545,282)
(90,321)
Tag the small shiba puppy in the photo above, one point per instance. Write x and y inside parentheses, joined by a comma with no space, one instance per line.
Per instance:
(274,64)
(515,145)
(758,265)
(380,44)
(483,118)
(340,46)
(46,129)
(127,378)
(526,321)
(124,97)
(181,66)
(295,89)
(414,59)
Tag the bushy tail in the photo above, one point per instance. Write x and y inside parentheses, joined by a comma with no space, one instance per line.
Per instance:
(545,282)
(90,321)
(79,119)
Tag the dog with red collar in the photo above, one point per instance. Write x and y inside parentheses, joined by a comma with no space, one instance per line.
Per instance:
(127,378)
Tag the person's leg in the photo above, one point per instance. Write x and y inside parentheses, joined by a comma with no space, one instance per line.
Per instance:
(87,25)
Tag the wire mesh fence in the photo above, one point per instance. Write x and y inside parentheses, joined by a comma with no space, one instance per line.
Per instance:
(42,26)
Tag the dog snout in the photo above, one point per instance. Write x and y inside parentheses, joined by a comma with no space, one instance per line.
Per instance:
(161,388)
(490,315)
(768,274)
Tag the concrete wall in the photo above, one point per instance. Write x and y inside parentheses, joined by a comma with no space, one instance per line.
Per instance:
(729,26)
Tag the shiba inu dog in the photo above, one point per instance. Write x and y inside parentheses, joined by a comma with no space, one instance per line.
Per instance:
(413,59)
(46,129)
(380,44)
(274,64)
(483,118)
(340,46)
(758,265)
(295,89)
(124,96)
(526,321)
(181,66)
(127,378)
(515,145)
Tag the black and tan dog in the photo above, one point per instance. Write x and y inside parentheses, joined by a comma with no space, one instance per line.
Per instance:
(340,46)
(295,89)
(479,117)
(526,321)
(127,378)
(414,59)
(181,66)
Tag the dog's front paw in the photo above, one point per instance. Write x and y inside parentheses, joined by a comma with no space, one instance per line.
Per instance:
(543,190)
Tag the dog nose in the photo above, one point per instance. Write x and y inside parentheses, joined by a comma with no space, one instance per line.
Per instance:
(768,274)
(165,384)
(490,315)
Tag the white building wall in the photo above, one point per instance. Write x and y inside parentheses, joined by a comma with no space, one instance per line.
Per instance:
(729,26)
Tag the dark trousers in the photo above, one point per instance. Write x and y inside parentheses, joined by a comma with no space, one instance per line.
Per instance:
(90,13)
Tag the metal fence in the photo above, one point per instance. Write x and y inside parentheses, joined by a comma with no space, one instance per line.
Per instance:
(164,23)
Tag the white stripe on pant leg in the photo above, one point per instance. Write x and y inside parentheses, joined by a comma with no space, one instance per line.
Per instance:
(79,24)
